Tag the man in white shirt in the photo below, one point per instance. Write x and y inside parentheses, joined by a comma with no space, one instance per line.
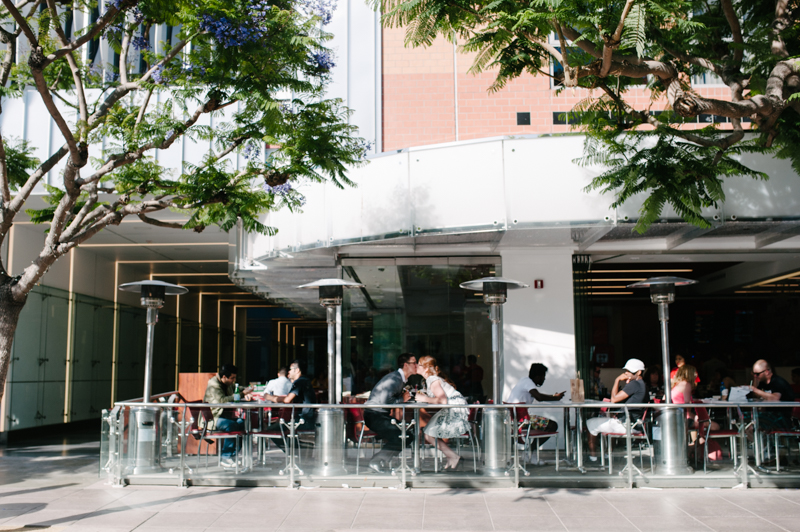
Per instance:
(279,386)
(526,392)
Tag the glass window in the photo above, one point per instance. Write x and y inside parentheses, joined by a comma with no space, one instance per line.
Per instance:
(416,308)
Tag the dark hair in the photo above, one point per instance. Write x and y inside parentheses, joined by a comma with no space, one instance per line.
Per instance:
(537,369)
(227,370)
(473,358)
(403,359)
(300,365)
(650,371)
(283,371)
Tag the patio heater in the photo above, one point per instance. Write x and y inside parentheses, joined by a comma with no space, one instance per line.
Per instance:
(496,426)
(145,423)
(670,447)
(330,421)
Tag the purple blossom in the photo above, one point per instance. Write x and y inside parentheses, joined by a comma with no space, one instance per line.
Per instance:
(111,77)
(138,16)
(319,8)
(364,147)
(251,150)
(140,43)
(230,33)
(281,190)
(324,61)
(116,3)
(158,75)
(191,70)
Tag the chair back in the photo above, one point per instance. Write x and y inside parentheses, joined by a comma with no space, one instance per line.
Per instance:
(702,414)
(520,413)
(354,419)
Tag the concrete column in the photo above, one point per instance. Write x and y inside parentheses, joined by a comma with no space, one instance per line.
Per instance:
(538,324)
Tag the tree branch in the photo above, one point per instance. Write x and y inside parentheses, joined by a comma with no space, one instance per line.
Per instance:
(159,223)
(123,54)
(118,160)
(612,43)
(5,190)
(781,22)
(143,108)
(78,156)
(73,64)
(22,23)
(736,31)
(98,27)
(169,57)
(577,38)
(565,61)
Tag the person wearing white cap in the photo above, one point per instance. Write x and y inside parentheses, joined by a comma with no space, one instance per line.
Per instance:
(628,388)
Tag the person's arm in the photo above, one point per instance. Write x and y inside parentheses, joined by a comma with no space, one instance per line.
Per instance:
(278,399)
(766,396)
(539,396)
(439,397)
(617,395)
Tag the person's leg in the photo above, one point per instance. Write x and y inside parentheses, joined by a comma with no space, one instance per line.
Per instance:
(597,425)
(381,424)
(228,444)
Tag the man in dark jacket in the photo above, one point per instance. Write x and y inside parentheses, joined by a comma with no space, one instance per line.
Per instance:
(389,391)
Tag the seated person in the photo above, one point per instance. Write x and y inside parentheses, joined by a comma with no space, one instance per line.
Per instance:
(527,391)
(683,384)
(628,388)
(389,390)
(279,386)
(598,389)
(654,382)
(771,388)
(220,389)
(303,391)
(796,381)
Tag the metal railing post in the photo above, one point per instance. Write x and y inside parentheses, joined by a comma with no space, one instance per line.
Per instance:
(183,447)
(516,449)
(629,447)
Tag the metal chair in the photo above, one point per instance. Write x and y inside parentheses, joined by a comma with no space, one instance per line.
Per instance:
(204,434)
(358,432)
(777,434)
(638,434)
(703,418)
(527,435)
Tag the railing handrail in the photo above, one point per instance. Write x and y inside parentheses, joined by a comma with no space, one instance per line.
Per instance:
(540,406)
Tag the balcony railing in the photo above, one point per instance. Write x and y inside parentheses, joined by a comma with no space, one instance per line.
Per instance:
(168,443)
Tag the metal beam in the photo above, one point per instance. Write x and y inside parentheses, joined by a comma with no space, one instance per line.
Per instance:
(684,235)
(593,235)
(745,274)
(776,234)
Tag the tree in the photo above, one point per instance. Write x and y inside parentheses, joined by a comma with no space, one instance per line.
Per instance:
(614,47)
(227,58)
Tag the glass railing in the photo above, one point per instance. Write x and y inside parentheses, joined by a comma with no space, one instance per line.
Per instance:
(589,445)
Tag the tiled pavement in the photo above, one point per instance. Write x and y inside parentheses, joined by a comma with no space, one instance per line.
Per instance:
(56,487)
(97,507)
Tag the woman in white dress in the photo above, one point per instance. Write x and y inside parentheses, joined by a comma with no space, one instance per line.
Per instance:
(448,422)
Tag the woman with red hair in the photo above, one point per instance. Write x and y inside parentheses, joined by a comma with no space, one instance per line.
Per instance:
(448,422)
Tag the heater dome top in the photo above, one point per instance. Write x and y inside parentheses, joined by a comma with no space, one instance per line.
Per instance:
(169,288)
(477,284)
(660,281)
(332,282)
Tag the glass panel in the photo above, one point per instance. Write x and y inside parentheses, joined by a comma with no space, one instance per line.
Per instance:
(419,309)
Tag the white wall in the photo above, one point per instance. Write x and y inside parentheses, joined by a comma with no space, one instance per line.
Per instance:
(538,324)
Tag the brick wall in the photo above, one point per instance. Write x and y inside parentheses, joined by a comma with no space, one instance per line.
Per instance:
(419,102)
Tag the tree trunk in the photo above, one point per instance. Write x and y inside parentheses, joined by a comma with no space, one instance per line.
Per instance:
(9,317)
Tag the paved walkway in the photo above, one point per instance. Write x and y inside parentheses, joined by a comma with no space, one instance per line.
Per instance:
(55,486)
